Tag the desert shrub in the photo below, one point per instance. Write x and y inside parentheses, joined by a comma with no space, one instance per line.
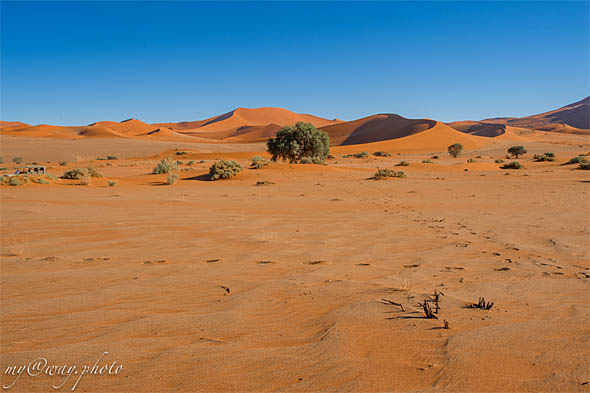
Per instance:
(499,161)
(172,178)
(264,183)
(471,160)
(79,173)
(516,151)
(403,163)
(63,163)
(381,154)
(17,160)
(39,180)
(385,173)
(112,158)
(166,165)
(512,165)
(584,165)
(428,161)
(549,154)
(14,181)
(112,183)
(181,153)
(576,160)
(543,157)
(292,143)
(1,160)
(224,169)
(478,157)
(190,163)
(330,157)
(85,180)
(362,154)
(455,149)
(434,157)
(310,160)
(258,162)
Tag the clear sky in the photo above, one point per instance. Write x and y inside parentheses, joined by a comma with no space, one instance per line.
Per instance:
(74,63)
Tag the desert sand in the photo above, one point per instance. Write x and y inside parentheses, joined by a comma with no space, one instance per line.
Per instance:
(289,286)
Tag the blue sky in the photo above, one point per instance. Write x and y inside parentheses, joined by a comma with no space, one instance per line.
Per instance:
(75,63)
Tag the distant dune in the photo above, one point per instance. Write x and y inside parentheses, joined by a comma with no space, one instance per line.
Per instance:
(10,124)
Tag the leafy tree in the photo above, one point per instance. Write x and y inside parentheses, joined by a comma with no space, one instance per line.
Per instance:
(455,149)
(296,142)
(517,151)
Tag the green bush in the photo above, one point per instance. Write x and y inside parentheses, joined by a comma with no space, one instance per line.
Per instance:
(310,160)
(576,160)
(512,165)
(403,163)
(455,149)
(258,162)
(63,163)
(80,173)
(517,151)
(543,157)
(385,173)
(224,169)
(166,165)
(292,143)
(584,165)
(112,183)
(499,161)
(434,157)
(549,154)
(190,163)
(428,161)
(112,158)
(181,153)
(172,178)
(362,154)
(381,154)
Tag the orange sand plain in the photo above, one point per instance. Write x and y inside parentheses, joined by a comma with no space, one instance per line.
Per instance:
(142,270)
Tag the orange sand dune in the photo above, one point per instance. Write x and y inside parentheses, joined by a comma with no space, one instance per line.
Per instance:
(490,130)
(434,139)
(229,124)
(563,128)
(375,128)
(576,115)
(131,127)
(11,124)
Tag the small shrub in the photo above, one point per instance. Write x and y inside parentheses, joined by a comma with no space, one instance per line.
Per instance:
(112,183)
(584,166)
(63,163)
(512,165)
(385,173)
(549,154)
(3,168)
(499,161)
(112,158)
(165,166)
(381,154)
(434,157)
(544,157)
(1,160)
(576,160)
(330,157)
(264,183)
(258,162)
(85,180)
(15,181)
(224,169)
(428,161)
(478,157)
(517,151)
(471,161)
(403,163)
(172,178)
(79,173)
(201,161)
(181,153)
(39,180)
(362,154)
(455,149)
(190,163)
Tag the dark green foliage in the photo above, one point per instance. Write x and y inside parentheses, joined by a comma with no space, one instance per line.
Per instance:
(512,165)
(292,143)
(362,154)
(385,173)
(455,149)
(516,151)
(309,160)
(584,165)
(181,153)
(576,160)
(544,157)
(224,169)
(112,158)
(165,166)
(381,154)
(549,154)
(428,161)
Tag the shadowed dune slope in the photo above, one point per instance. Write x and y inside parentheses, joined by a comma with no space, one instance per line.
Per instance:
(376,128)
(479,129)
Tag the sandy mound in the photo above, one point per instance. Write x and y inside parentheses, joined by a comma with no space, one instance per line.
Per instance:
(563,128)
(434,139)
(576,115)
(130,127)
(489,130)
(376,128)
(12,124)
